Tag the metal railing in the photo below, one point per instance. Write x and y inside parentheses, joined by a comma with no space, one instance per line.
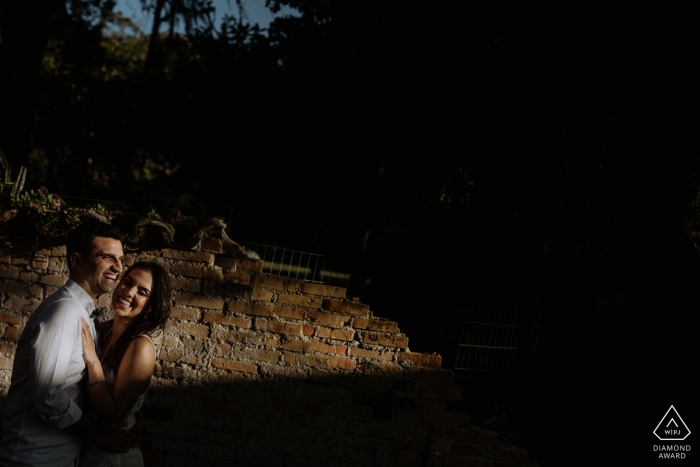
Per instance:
(289,263)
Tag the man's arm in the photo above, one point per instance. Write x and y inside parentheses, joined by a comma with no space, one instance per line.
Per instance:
(52,345)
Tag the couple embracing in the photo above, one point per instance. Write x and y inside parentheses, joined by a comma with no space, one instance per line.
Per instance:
(78,384)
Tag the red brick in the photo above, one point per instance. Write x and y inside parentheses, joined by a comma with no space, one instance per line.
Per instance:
(262,355)
(233,365)
(192,256)
(432,361)
(5,363)
(213,303)
(212,317)
(327,318)
(169,356)
(184,313)
(342,363)
(12,333)
(247,264)
(508,454)
(212,244)
(388,341)
(262,295)
(314,362)
(299,300)
(351,308)
(237,322)
(196,330)
(375,325)
(52,279)
(316,346)
(447,418)
(358,352)
(277,283)
(223,348)
(197,271)
(464,450)
(254,309)
(185,283)
(10,318)
(323,290)
(290,313)
(295,345)
(485,437)
(279,327)
(24,290)
(308,330)
(237,278)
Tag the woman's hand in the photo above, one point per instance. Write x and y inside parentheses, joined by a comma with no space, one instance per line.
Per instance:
(89,354)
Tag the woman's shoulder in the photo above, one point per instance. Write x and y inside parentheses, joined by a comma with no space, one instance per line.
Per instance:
(141,344)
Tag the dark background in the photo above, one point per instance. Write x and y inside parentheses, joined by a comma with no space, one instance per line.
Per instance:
(445,155)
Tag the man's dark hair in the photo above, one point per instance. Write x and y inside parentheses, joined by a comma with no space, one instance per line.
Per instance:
(81,238)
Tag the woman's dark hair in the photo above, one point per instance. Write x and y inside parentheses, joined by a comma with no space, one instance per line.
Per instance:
(152,320)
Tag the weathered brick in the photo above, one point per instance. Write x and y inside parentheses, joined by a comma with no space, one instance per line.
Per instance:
(323,290)
(40,263)
(19,260)
(279,327)
(12,333)
(5,363)
(262,295)
(171,341)
(518,456)
(295,345)
(253,309)
(197,330)
(313,362)
(193,344)
(247,264)
(212,303)
(223,349)
(21,303)
(58,250)
(227,289)
(193,256)
(299,300)
(212,317)
(234,365)
(365,353)
(237,277)
(485,437)
(28,276)
(24,290)
(169,356)
(446,418)
(375,325)
(351,308)
(235,321)
(339,334)
(289,313)
(7,348)
(212,244)
(388,341)
(431,361)
(262,355)
(307,330)
(328,318)
(57,265)
(10,318)
(245,337)
(272,282)
(185,283)
(431,404)
(466,462)
(185,313)
(316,346)
(194,270)
(53,279)
(342,363)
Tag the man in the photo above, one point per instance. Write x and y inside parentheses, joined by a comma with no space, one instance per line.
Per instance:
(45,421)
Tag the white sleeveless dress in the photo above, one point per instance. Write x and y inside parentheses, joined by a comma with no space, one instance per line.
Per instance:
(93,456)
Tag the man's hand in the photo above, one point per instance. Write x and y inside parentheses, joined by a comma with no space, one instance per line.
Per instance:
(115,440)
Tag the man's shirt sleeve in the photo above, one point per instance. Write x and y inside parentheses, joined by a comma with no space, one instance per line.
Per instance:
(52,346)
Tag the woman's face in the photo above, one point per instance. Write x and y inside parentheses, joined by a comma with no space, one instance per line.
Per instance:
(131,295)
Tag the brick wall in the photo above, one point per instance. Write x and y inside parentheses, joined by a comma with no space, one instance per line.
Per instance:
(259,370)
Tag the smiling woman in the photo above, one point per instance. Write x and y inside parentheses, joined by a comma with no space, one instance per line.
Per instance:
(120,375)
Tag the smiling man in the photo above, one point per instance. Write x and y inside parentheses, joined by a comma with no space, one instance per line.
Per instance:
(45,421)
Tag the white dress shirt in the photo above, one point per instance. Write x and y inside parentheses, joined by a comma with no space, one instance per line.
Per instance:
(45,395)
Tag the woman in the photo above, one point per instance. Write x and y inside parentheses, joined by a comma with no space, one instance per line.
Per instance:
(119,376)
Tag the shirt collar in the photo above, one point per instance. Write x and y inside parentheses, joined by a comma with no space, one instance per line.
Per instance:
(81,296)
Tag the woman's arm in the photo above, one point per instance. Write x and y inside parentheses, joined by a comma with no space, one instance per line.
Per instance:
(132,379)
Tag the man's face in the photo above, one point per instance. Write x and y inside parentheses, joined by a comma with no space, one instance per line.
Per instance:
(101,268)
